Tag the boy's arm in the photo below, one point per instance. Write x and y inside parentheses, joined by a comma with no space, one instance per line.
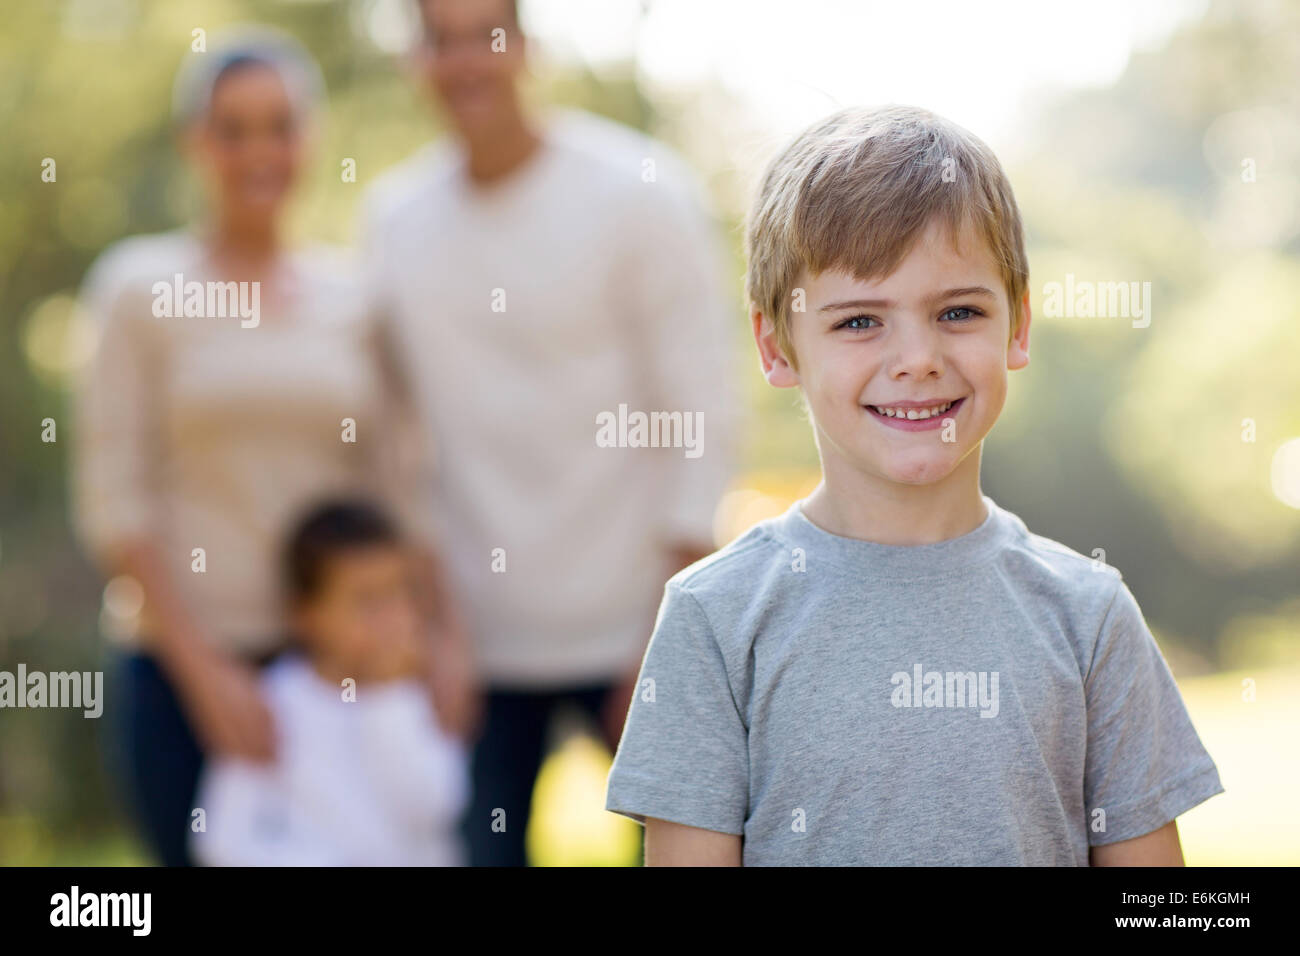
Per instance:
(684,755)
(1145,764)
(1157,848)
(614,712)
(673,844)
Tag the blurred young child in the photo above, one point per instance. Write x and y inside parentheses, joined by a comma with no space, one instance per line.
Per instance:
(363,776)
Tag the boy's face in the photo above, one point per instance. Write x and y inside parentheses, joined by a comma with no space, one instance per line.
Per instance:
(935,331)
(364,601)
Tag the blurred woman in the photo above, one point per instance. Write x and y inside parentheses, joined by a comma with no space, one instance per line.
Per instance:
(237,380)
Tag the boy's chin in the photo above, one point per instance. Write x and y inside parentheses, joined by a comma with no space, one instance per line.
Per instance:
(921,469)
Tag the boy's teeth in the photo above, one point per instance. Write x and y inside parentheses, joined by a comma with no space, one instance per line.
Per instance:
(913,413)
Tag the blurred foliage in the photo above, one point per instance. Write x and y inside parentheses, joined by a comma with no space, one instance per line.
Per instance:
(1116,438)
(1156,444)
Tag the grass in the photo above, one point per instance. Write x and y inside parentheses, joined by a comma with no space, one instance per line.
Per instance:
(1254,821)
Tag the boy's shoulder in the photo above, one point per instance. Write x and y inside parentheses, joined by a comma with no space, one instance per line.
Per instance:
(732,567)
(772,563)
(1049,573)
(1060,558)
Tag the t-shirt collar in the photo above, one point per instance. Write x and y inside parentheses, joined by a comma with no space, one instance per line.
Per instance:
(895,562)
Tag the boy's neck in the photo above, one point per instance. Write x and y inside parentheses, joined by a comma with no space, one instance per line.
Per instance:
(870,508)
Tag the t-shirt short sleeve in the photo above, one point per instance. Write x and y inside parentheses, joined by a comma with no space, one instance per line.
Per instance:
(1145,763)
(684,754)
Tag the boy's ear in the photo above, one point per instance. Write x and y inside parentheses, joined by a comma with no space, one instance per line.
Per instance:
(776,369)
(1018,347)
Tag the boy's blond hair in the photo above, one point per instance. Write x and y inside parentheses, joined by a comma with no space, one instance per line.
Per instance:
(856,190)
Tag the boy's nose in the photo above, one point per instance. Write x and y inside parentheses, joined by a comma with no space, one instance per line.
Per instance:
(915,350)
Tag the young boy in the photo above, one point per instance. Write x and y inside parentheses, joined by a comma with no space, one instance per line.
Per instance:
(363,775)
(896,671)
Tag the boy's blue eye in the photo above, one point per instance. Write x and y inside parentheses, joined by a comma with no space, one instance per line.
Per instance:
(857,323)
(960,313)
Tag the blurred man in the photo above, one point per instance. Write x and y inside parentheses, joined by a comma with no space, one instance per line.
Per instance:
(556,288)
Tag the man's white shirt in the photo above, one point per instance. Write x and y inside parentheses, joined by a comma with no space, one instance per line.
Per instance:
(590,279)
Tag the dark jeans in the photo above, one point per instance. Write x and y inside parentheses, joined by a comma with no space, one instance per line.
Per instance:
(505,764)
(155,756)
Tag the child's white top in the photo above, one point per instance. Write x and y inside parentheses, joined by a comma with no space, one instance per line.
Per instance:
(368,782)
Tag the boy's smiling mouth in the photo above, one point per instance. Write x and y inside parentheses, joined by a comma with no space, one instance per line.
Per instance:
(916,416)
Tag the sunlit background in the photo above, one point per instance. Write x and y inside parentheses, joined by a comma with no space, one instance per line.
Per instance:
(1155,142)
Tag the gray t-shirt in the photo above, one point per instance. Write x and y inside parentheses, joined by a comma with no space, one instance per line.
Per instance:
(993,699)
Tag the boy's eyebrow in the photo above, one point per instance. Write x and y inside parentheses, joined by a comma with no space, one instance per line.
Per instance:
(889,303)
